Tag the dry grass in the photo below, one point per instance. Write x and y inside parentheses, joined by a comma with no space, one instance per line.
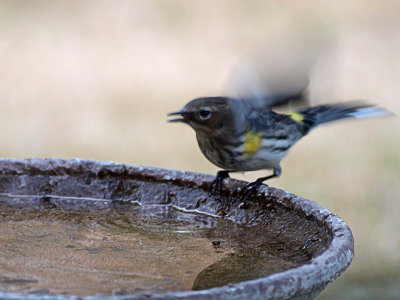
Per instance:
(95,80)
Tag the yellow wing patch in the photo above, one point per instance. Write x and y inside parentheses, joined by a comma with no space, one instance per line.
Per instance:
(297,117)
(252,142)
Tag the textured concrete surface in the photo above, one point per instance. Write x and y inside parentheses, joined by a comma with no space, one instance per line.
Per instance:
(330,248)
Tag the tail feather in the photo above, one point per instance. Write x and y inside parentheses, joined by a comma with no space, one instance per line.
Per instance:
(317,115)
(370,111)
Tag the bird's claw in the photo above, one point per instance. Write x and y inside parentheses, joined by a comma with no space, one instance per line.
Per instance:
(216,185)
(249,189)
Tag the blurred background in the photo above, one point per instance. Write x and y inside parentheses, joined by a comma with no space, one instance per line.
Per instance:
(95,80)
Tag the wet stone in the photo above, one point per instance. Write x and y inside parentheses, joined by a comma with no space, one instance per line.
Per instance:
(84,228)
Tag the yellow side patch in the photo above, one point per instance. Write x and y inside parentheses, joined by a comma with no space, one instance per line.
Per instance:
(297,117)
(252,142)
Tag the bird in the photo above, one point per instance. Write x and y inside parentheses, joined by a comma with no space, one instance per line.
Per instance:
(241,135)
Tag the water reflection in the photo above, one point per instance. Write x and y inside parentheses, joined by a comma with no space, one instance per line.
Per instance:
(109,248)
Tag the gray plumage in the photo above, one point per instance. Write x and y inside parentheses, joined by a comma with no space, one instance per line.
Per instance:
(246,135)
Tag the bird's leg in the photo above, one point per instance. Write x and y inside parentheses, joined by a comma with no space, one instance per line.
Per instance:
(216,184)
(255,184)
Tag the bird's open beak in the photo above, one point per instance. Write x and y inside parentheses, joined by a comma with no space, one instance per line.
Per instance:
(185,116)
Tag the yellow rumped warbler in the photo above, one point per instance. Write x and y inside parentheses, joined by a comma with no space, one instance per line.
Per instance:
(240,135)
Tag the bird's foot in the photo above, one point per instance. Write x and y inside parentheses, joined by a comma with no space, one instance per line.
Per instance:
(249,189)
(216,185)
(252,186)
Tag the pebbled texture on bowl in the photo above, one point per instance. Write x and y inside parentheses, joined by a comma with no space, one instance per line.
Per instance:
(323,241)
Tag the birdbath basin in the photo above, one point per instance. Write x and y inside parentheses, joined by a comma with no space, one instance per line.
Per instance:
(73,229)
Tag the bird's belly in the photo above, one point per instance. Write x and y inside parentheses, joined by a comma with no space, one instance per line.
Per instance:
(236,159)
(254,164)
(262,160)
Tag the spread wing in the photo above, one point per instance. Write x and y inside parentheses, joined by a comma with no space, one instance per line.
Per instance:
(257,106)
(278,100)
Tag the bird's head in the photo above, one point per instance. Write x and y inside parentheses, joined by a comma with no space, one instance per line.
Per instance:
(206,115)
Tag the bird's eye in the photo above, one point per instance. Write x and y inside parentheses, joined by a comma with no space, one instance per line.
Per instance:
(205,113)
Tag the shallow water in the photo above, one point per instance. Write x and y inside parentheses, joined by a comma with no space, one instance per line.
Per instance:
(124,248)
